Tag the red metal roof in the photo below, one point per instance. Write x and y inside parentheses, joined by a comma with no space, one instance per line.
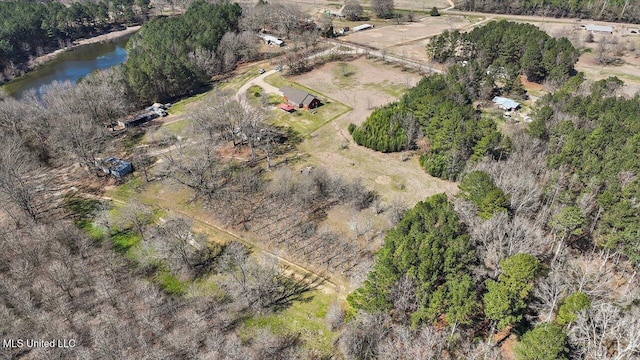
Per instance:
(286,107)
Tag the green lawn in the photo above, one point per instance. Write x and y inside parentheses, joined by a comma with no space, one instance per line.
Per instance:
(178,128)
(170,283)
(236,82)
(126,190)
(302,317)
(306,121)
(178,107)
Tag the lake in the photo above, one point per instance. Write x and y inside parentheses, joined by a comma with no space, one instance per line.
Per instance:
(71,65)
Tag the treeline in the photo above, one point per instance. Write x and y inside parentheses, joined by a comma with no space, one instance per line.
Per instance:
(174,56)
(439,108)
(596,137)
(426,274)
(34,28)
(607,10)
(505,47)
(413,264)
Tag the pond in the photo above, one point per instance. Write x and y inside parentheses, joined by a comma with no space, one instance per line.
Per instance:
(71,65)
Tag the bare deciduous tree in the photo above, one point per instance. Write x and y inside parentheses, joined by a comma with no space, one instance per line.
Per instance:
(17,167)
(606,332)
(362,337)
(352,10)
(382,8)
(135,216)
(261,286)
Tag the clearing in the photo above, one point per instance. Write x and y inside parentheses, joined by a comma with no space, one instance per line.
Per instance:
(409,39)
(331,145)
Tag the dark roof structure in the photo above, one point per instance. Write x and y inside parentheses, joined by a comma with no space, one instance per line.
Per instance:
(298,97)
(116,167)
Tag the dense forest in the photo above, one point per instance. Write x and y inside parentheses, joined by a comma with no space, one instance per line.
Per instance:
(34,28)
(174,56)
(439,108)
(596,138)
(608,10)
(505,47)
(484,62)
(529,246)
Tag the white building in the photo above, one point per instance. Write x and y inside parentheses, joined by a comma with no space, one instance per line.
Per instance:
(271,40)
(599,29)
(362,27)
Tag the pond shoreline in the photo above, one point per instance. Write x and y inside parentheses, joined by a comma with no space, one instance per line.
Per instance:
(43,59)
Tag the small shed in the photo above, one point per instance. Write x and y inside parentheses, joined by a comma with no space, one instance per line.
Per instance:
(116,167)
(506,103)
(299,98)
(599,29)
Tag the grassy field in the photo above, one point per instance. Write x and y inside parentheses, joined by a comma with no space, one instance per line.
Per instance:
(302,317)
(179,107)
(307,121)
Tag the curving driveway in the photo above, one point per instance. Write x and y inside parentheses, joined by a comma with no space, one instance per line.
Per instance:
(241,95)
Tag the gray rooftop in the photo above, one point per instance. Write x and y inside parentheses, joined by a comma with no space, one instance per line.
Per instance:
(505,103)
(297,97)
(599,28)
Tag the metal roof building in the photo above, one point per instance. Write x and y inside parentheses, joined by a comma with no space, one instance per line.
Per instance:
(505,103)
(270,39)
(362,27)
(599,28)
(116,167)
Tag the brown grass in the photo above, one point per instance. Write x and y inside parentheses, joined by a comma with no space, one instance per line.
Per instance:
(388,174)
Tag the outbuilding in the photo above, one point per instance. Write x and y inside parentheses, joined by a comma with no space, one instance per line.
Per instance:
(299,98)
(362,27)
(599,29)
(271,40)
(139,119)
(116,167)
(506,103)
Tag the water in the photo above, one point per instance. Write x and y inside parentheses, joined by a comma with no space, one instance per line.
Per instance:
(71,65)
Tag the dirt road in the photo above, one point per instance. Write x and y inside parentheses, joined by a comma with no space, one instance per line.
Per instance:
(325,285)
(241,95)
